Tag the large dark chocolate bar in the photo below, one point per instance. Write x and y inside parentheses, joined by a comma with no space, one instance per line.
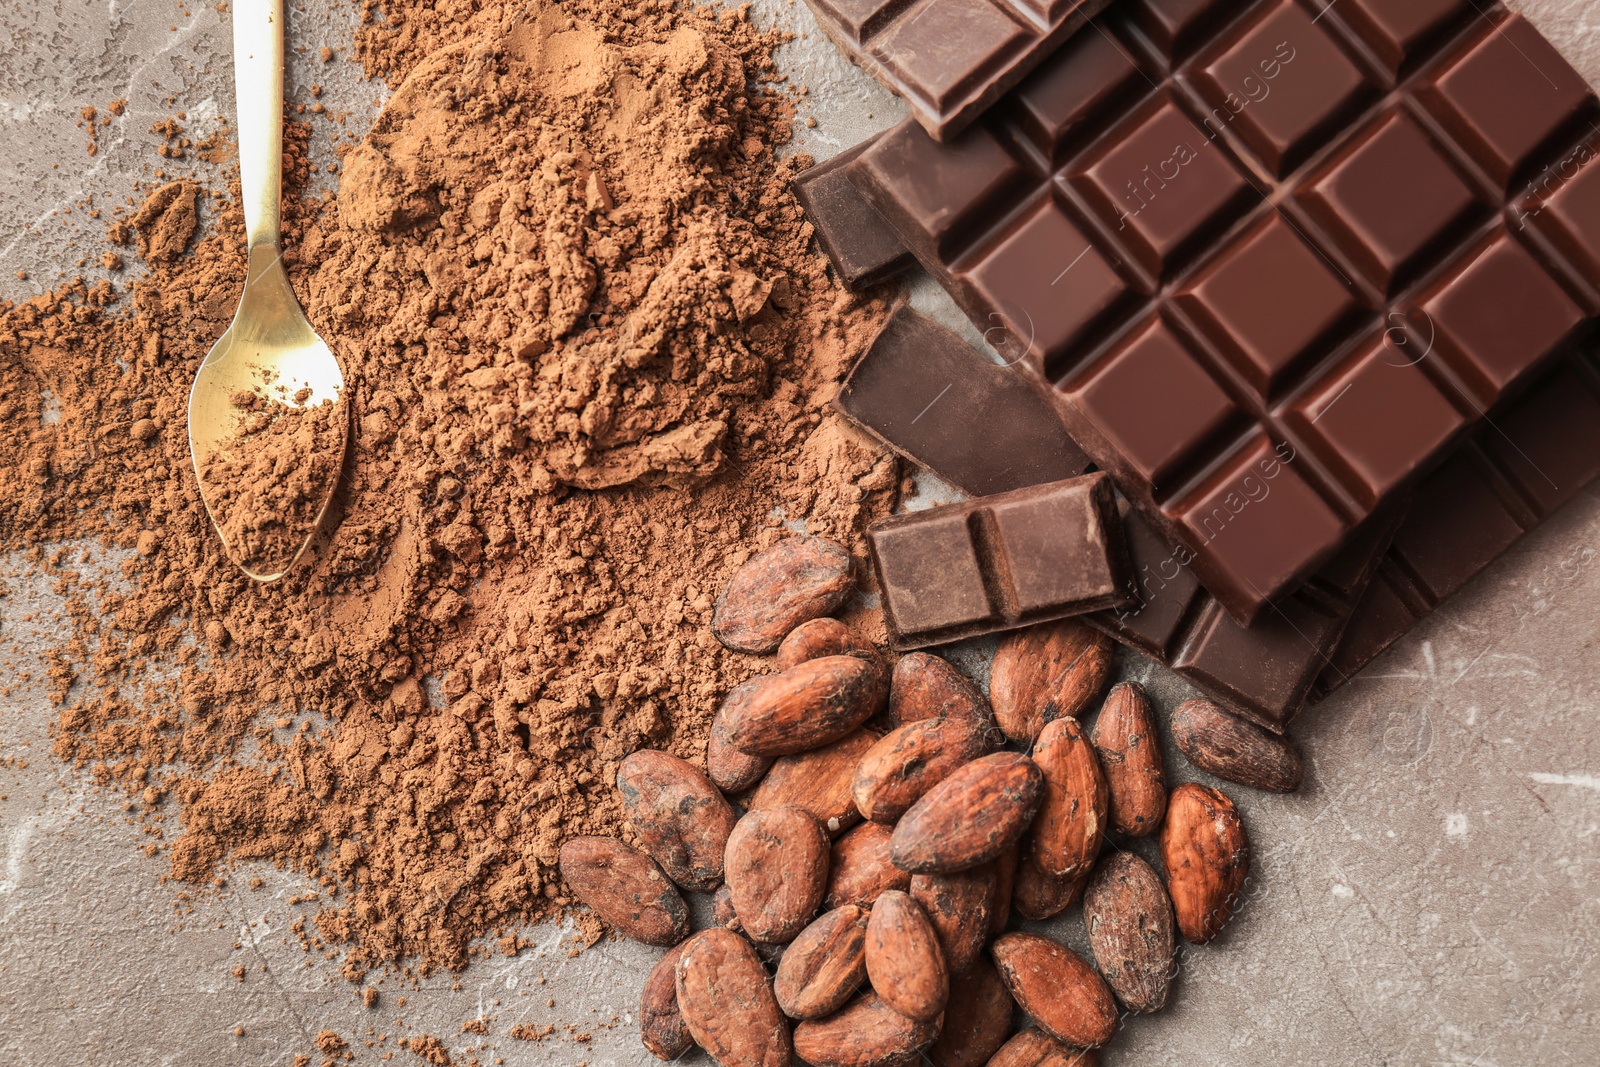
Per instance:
(1270,260)
(862,248)
(925,392)
(950,59)
(1000,562)
(1539,454)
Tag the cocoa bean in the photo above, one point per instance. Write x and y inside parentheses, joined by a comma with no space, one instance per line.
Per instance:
(1239,751)
(825,965)
(867,1033)
(729,769)
(1035,1048)
(820,781)
(1045,673)
(977,1019)
(722,913)
(1039,896)
(908,761)
(1071,823)
(625,888)
(904,961)
(970,817)
(1062,993)
(1207,857)
(792,582)
(777,871)
(727,1004)
(1005,870)
(957,904)
(681,819)
(661,1025)
(1129,921)
(1127,741)
(860,868)
(805,707)
(924,687)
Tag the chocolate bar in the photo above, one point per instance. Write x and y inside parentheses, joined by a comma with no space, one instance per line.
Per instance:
(1270,263)
(850,232)
(923,391)
(1262,672)
(949,59)
(1014,559)
(1539,454)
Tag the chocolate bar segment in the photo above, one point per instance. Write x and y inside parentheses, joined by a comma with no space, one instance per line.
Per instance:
(1318,226)
(950,59)
(1540,453)
(1000,562)
(863,250)
(944,405)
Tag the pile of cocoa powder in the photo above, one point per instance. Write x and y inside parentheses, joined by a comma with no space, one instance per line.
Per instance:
(589,348)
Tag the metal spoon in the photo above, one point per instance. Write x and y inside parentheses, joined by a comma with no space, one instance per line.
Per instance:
(269,339)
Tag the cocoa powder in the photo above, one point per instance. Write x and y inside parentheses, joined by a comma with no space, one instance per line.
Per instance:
(589,349)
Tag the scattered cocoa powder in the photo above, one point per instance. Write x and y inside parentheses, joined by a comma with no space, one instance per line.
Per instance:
(167,222)
(589,348)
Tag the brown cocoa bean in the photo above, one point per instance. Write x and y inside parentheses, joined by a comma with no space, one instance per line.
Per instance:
(729,769)
(681,819)
(820,781)
(867,1033)
(970,817)
(807,706)
(957,904)
(1129,921)
(777,872)
(924,687)
(792,582)
(1128,743)
(904,961)
(727,1004)
(1207,857)
(908,761)
(825,965)
(977,1020)
(1045,673)
(1230,748)
(860,868)
(625,888)
(1071,823)
(1059,991)
(722,913)
(661,1025)
(1035,1048)
(1039,896)
(818,638)
(1005,871)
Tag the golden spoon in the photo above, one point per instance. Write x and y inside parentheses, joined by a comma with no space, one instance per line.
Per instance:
(269,350)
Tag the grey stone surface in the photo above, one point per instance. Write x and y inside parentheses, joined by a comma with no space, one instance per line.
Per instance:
(1429,897)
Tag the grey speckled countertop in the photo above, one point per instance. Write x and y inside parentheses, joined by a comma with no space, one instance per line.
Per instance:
(1429,897)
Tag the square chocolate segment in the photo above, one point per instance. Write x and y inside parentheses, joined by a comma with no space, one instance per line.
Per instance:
(1398,30)
(943,47)
(930,573)
(862,248)
(1091,73)
(1565,206)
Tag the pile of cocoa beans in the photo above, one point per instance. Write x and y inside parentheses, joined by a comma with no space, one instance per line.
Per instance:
(870,835)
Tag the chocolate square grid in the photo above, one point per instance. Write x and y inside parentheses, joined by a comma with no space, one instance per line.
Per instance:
(1416,207)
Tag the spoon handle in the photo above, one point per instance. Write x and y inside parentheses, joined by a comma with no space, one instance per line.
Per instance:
(258,87)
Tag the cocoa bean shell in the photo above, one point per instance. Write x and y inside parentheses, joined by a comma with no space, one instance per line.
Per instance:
(727,1003)
(661,1025)
(1233,749)
(867,1033)
(777,868)
(1047,672)
(1035,1048)
(977,1019)
(820,781)
(904,961)
(825,965)
(822,637)
(1207,858)
(1128,917)
(729,769)
(957,905)
(1071,823)
(776,590)
(1127,739)
(625,888)
(1057,988)
(860,868)
(969,818)
(805,707)
(682,820)
(923,687)
(910,760)
(1039,896)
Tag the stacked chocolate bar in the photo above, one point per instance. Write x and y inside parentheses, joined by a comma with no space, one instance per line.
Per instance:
(1314,284)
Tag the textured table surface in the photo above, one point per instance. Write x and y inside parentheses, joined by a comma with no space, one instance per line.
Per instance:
(1430,895)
